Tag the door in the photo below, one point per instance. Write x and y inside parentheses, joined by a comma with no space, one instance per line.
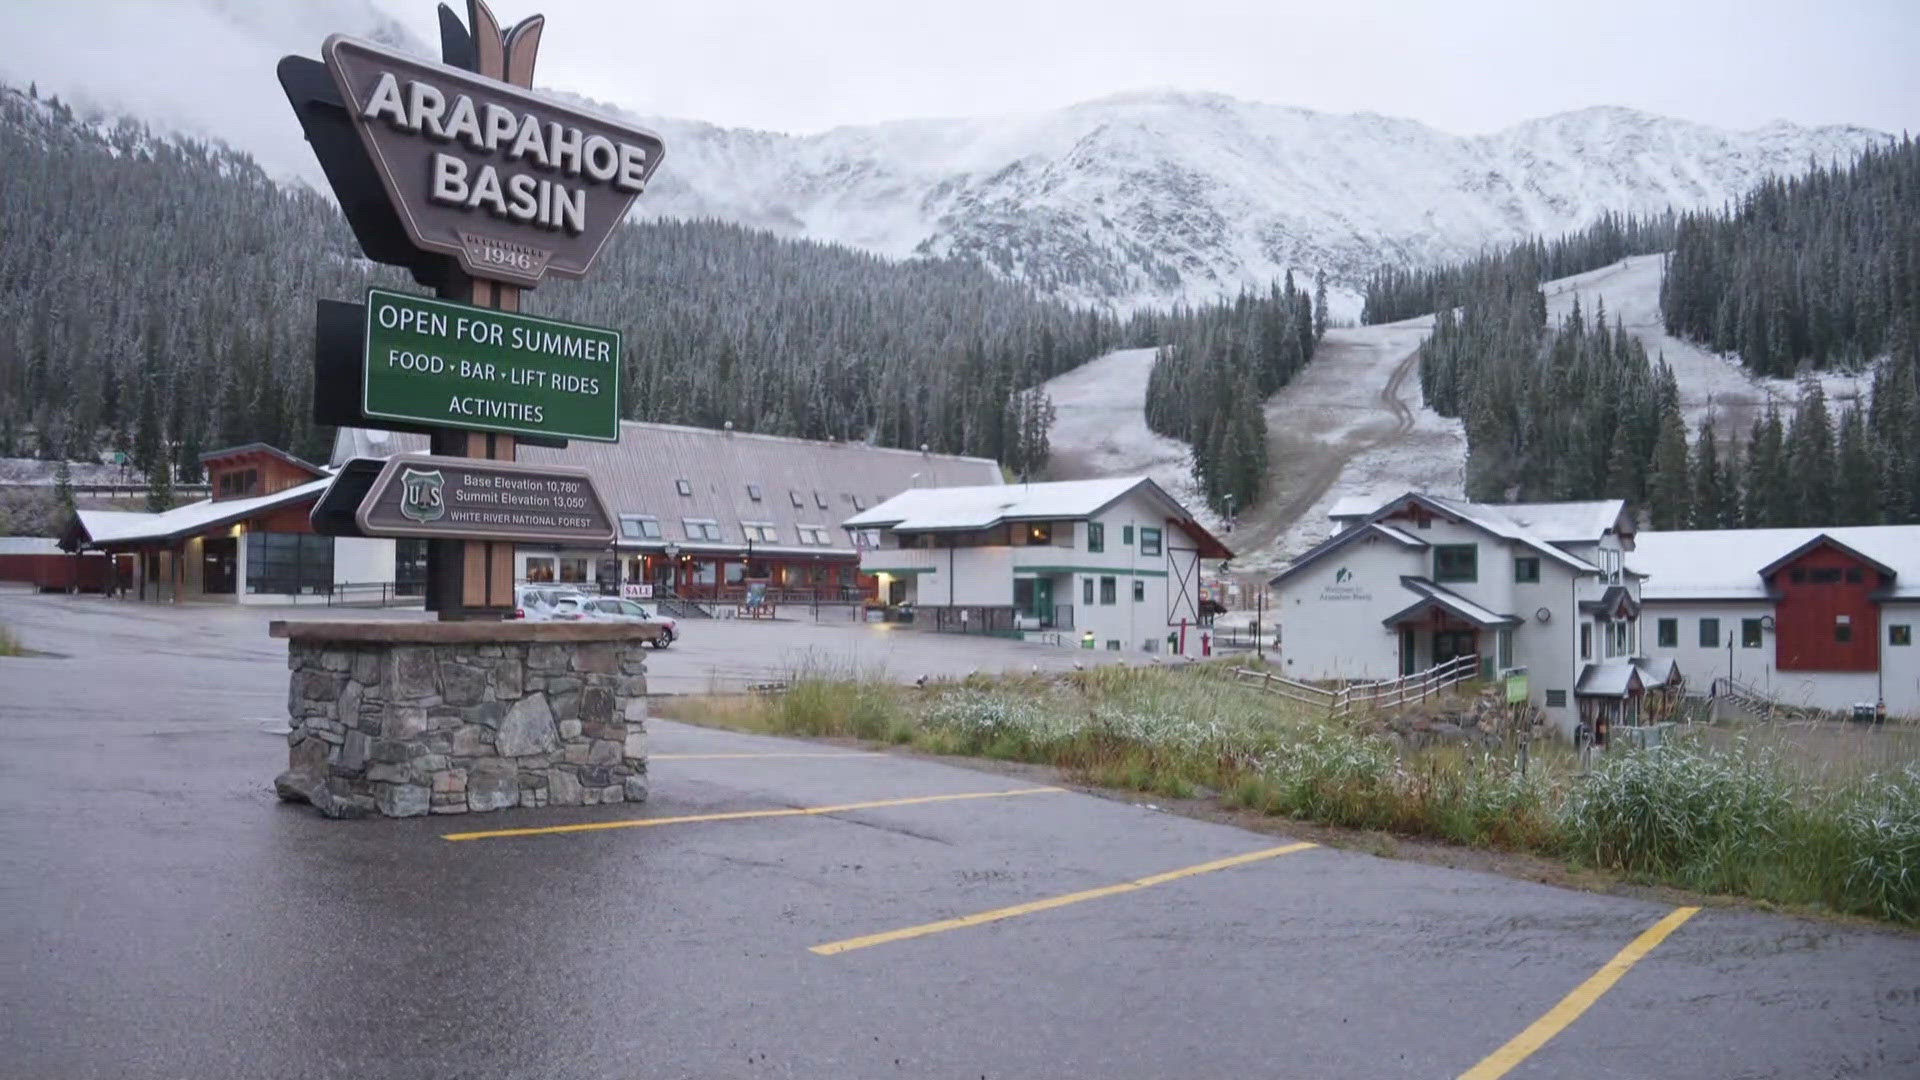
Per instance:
(1043,601)
(217,565)
(1448,644)
(1409,660)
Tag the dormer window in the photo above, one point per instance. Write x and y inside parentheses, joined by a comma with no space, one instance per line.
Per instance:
(794,495)
(237,484)
(820,500)
(753,492)
(685,487)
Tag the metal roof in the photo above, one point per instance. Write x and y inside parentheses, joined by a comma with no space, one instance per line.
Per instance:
(969,508)
(1432,595)
(641,474)
(1726,564)
(107,527)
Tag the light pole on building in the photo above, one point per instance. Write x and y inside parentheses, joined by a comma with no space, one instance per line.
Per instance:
(673,567)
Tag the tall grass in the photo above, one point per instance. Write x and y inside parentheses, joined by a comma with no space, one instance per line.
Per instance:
(1743,819)
(9,643)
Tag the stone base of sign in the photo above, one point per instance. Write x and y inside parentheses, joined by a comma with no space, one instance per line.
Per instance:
(402,719)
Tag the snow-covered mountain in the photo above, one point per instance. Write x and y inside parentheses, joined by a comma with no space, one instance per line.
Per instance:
(1144,197)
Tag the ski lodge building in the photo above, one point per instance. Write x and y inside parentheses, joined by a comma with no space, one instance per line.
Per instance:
(1598,614)
(1112,563)
(1823,618)
(700,512)
(1421,580)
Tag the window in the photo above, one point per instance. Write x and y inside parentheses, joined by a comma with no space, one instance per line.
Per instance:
(1126,535)
(1556,699)
(638,527)
(760,531)
(1039,532)
(1108,591)
(1096,537)
(736,573)
(1113,646)
(237,483)
(1586,641)
(793,495)
(753,492)
(1797,576)
(1855,575)
(1610,564)
(1526,569)
(819,500)
(539,568)
(1900,634)
(1086,591)
(573,569)
(858,502)
(1149,541)
(289,563)
(1456,562)
(1503,648)
(684,487)
(1422,521)
(814,534)
(1824,575)
(1617,639)
(1843,628)
(1139,591)
(1709,633)
(702,528)
(1667,632)
(1749,633)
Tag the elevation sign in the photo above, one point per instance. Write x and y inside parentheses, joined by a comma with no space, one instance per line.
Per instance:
(454,365)
(511,184)
(449,498)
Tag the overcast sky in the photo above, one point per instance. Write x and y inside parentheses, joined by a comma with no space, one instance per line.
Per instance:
(1462,66)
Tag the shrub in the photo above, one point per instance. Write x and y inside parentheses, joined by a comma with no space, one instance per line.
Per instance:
(1677,808)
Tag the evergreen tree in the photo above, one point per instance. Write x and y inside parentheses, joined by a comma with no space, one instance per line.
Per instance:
(160,487)
(63,484)
(1768,492)
(1810,468)
(1320,305)
(1669,484)
(1856,490)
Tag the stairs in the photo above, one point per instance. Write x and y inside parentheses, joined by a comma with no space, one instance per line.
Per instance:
(1733,700)
(681,608)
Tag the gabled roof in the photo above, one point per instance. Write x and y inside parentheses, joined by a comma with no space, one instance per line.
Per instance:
(1617,598)
(1433,596)
(1562,522)
(1609,678)
(262,448)
(102,528)
(1727,564)
(1823,539)
(966,509)
(1490,519)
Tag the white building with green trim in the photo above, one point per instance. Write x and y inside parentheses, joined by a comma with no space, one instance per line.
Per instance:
(1114,562)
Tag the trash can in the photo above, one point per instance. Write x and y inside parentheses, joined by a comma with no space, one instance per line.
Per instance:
(1865,712)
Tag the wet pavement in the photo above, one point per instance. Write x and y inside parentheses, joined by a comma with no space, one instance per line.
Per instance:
(161,915)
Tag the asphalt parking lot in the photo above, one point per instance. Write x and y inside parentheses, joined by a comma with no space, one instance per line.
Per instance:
(787,909)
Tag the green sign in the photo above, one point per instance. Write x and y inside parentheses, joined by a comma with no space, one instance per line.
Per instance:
(1516,687)
(454,365)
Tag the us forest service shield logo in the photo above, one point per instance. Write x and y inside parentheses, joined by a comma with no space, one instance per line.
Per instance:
(422,495)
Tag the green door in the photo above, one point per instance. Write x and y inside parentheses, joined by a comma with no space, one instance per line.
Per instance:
(1042,600)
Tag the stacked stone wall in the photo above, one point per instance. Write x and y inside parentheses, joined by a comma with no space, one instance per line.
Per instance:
(402,729)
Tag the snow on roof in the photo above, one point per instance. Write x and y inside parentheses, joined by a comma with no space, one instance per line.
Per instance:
(1492,519)
(29,545)
(1565,522)
(924,509)
(1399,535)
(1608,678)
(1432,594)
(1353,506)
(1725,564)
(121,526)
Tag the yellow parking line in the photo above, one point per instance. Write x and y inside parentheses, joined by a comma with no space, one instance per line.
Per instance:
(734,757)
(835,947)
(740,815)
(1522,1046)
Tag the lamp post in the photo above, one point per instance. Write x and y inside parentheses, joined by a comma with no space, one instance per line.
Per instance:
(1229,511)
(673,568)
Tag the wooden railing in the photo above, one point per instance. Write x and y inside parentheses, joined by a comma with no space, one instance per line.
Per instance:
(1357,697)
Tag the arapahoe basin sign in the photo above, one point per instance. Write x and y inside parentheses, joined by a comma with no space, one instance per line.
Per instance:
(511,184)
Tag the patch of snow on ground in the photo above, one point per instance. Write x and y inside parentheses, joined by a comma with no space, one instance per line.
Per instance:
(1100,429)
(1631,291)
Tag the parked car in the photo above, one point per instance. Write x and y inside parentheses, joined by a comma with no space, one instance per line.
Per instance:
(543,603)
(611,607)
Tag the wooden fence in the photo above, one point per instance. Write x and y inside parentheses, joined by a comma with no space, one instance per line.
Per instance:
(1360,697)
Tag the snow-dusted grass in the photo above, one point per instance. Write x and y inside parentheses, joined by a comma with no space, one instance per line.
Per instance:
(1630,290)
(1100,429)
